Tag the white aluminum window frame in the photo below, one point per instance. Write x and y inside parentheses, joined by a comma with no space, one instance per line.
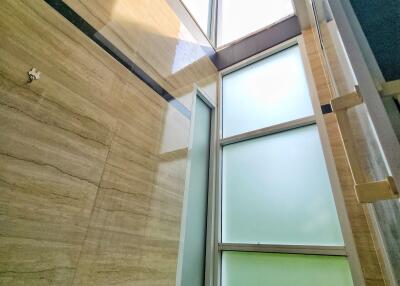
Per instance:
(349,249)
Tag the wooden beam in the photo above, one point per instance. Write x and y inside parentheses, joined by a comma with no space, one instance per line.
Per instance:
(367,192)
(349,146)
(346,101)
(376,191)
(391,88)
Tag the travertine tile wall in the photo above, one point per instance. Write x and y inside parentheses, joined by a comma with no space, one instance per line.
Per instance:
(93,161)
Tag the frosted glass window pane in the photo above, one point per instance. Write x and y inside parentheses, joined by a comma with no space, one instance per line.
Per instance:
(200,10)
(256,269)
(240,18)
(268,92)
(276,190)
(195,230)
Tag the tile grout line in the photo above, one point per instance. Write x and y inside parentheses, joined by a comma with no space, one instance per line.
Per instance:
(94,204)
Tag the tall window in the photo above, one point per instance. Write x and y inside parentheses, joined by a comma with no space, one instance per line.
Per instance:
(237,19)
(279,224)
(193,248)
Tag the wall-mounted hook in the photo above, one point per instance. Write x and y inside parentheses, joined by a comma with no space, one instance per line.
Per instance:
(33,74)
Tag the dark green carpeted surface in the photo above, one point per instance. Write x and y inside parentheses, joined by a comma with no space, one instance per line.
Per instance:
(380,21)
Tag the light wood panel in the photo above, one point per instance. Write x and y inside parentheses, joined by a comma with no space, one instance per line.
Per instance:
(391,88)
(92,161)
(384,214)
(359,220)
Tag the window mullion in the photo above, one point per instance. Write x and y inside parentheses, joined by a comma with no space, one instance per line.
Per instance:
(286,249)
(305,121)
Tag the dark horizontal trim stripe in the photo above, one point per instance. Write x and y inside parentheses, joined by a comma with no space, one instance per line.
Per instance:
(107,46)
(326,108)
(256,43)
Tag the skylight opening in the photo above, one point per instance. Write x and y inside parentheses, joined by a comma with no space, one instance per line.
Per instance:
(237,19)
(201,12)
